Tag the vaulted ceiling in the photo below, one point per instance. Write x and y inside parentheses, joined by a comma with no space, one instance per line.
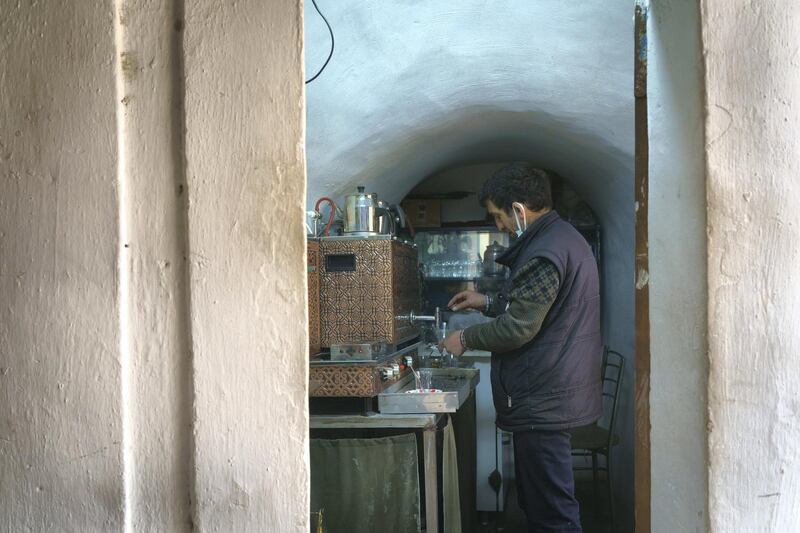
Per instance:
(415,87)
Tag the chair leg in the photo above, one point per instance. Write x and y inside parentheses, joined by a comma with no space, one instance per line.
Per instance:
(595,492)
(610,490)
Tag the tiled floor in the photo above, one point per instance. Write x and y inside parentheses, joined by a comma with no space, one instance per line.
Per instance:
(513,520)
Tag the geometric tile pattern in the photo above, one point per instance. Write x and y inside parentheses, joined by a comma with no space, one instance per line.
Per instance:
(353,380)
(344,381)
(314,341)
(406,295)
(362,305)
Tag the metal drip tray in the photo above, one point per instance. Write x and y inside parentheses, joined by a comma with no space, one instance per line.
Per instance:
(455,385)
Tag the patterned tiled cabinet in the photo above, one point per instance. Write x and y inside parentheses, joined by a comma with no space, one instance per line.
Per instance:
(314,344)
(365,285)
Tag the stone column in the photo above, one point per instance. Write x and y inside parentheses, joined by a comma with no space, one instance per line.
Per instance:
(753,156)
(61,423)
(152,267)
(246,181)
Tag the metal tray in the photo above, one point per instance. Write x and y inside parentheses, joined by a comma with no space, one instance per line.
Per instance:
(455,384)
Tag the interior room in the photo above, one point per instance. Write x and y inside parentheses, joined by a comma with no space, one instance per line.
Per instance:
(419,103)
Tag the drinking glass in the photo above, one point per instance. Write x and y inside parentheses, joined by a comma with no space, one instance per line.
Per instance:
(425,376)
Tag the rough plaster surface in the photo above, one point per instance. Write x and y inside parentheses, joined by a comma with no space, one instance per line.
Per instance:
(155,333)
(753,153)
(417,88)
(449,83)
(60,405)
(133,397)
(677,279)
(245,164)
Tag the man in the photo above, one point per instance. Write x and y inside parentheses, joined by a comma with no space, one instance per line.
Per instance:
(545,342)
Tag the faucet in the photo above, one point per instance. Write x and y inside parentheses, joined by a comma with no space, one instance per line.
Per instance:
(413,318)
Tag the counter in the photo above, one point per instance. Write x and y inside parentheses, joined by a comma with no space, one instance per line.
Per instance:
(429,424)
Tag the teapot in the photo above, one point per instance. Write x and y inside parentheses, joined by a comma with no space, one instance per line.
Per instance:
(490,265)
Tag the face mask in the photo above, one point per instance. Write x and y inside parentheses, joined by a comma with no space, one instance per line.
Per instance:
(520,228)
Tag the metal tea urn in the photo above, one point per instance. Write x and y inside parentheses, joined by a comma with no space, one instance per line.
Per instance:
(361,213)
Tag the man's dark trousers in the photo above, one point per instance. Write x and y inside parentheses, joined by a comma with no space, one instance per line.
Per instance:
(545,482)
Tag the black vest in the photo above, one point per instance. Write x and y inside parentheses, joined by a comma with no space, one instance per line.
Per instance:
(553,381)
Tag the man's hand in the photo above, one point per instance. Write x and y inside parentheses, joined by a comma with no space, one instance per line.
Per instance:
(467,300)
(452,343)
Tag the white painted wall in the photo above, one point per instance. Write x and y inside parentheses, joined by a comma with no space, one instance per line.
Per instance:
(155,354)
(415,88)
(152,324)
(60,380)
(753,153)
(245,176)
(677,274)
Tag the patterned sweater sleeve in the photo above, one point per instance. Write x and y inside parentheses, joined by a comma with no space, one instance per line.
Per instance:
(497,303)
(535,287)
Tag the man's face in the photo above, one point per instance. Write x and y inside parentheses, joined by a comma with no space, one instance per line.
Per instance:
(502,220)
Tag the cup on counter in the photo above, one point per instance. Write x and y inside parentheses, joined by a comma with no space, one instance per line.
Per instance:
(442,333)
(425,377)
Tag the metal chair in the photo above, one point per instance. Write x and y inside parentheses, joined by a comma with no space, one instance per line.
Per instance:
(599,438)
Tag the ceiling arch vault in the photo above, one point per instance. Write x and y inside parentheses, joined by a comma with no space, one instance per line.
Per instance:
(417,87)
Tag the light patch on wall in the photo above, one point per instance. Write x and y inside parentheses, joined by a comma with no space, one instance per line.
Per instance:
(642,279)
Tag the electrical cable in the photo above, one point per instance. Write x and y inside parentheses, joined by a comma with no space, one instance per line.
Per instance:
(330,30)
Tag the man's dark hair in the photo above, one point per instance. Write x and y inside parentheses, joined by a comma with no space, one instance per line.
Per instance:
(518,182)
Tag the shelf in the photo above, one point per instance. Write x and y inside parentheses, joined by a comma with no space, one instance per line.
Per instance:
(440,278)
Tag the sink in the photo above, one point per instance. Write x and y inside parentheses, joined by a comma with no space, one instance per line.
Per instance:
(455,384)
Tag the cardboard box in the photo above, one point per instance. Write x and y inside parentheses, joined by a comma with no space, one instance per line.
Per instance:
(424,213)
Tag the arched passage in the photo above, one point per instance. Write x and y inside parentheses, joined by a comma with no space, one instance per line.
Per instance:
(414,89)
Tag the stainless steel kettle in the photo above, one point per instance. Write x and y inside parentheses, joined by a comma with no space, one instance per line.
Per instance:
(490,265)
(361,213)
(386,222)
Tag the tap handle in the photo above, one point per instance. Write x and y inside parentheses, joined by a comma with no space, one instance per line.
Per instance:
(411,317)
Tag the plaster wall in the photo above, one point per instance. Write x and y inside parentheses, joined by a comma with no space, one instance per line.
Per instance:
(152,315)
(156,363)
(61,420)
(245,177)
(753,152)
(677,269)
(415,89)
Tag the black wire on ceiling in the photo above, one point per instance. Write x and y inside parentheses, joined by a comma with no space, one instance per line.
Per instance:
(332,43)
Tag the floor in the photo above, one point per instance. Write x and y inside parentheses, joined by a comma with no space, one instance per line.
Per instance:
(513,520)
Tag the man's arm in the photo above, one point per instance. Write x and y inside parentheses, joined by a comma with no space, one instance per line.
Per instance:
(535,287)
(490,304)
(496,303)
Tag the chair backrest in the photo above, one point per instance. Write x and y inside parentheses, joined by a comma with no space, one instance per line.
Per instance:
(612,369)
